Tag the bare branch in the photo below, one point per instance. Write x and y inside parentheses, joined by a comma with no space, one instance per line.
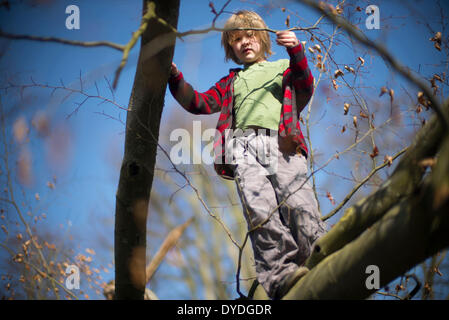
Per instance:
(169,242)
(164,39)
(62,41)
(361,183)
(394,63)
(70,92)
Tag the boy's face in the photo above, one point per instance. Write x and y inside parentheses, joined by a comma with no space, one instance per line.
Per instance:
(247,47)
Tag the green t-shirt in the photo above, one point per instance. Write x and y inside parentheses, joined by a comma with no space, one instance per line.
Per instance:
(258,94)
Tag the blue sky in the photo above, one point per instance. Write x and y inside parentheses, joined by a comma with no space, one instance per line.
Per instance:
(87,179)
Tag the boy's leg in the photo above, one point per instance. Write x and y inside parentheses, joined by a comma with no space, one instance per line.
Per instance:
(299,210)
(275,250)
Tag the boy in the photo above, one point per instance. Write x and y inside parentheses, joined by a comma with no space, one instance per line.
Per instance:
(278,202)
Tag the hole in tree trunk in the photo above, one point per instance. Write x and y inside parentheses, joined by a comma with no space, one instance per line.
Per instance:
(133,169)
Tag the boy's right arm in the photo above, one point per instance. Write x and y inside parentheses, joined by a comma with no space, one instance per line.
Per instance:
(193,101)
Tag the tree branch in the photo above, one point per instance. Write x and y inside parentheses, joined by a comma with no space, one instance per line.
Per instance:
(352,30)
(403,181)
(62,41)
(412,230)
(169,242)
(162,41)
(361,183)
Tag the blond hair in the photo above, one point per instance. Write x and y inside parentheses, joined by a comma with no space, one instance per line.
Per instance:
(245,19)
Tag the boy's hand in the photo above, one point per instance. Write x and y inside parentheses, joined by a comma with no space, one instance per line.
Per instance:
(286,39)
(174,70)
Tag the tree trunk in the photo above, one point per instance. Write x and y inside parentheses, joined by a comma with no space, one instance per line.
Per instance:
(403,181)
(410,232)
(395,238)
(142,132)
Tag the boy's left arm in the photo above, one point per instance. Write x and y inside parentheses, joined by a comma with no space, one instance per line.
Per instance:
(302,78)
(299,71)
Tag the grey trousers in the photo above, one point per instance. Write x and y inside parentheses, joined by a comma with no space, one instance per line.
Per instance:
(279,206)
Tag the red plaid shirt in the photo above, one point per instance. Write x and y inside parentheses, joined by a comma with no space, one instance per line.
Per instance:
(297,86)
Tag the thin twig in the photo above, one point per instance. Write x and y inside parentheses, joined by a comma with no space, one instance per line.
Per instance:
(309,140)
(40,272)
(360,184)
(392,61)
(62,41)
(70,92)
(203,203)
